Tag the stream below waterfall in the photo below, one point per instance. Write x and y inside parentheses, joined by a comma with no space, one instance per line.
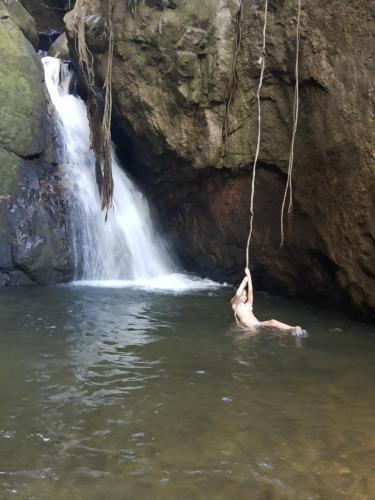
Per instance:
(133,382)
(123,393)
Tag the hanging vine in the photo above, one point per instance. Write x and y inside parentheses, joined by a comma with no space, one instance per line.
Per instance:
(289,184)
(99,118)
(234,79)
(85,57)
(163,14)
(132,4)
(263,66)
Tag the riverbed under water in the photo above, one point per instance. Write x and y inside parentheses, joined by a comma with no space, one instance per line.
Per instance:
(129,394)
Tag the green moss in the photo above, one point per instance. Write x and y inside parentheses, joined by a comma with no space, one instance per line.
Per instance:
(22,97)
(187,63)
(198,10)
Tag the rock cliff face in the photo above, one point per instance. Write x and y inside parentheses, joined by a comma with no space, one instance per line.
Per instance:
(34,237)
(171,78)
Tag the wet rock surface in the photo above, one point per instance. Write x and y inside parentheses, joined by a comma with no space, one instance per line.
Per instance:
(171,78)
(34,233)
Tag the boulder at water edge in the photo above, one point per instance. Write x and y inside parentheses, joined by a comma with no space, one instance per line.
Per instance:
(34,237)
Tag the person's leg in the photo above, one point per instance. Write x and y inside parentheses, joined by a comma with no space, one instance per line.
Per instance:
(273,323)
(282,327)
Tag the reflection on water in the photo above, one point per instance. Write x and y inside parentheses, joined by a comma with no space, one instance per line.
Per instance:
(118,393)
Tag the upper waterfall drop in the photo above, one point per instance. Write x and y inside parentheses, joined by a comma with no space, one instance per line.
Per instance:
(125,246)
(125,250)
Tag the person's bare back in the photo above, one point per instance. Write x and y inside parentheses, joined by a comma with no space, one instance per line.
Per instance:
(242,305)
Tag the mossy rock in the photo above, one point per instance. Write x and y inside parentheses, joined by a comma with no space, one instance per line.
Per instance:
(96,34)
(60,48)
(23,20)
(23,117)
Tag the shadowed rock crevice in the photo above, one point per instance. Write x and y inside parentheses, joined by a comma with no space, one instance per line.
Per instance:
(48,14)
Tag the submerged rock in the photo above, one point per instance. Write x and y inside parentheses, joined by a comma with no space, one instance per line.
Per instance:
(171,79)
(34,236)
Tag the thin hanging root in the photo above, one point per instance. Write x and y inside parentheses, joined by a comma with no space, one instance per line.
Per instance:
(234,79)
(107,192)
(259,134)
(132,4)
(289,184)
(163,7)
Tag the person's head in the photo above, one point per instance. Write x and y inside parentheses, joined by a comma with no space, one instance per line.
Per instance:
(239,299)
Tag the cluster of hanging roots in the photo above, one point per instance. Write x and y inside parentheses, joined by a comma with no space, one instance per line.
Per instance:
(289,184)
(99,115)
(232,87)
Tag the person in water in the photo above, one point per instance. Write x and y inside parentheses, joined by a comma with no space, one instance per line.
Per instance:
(242,305)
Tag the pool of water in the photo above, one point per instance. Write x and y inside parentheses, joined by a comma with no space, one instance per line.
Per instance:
(127,394)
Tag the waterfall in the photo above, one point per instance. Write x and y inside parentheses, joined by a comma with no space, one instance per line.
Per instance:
(125,248)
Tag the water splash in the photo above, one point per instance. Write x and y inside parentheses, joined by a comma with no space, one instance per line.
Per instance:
(125,250)
(177,282)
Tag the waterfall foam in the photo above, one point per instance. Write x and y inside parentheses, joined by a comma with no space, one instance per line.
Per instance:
(124,250)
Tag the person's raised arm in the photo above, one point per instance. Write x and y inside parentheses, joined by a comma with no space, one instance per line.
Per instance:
(250,295)
(242,286)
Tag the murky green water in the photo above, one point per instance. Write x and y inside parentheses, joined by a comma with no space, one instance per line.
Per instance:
(120,394)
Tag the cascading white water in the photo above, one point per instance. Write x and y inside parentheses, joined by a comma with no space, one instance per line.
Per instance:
(124,249)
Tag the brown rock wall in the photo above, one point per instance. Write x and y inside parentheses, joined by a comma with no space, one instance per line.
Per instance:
(171,75)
